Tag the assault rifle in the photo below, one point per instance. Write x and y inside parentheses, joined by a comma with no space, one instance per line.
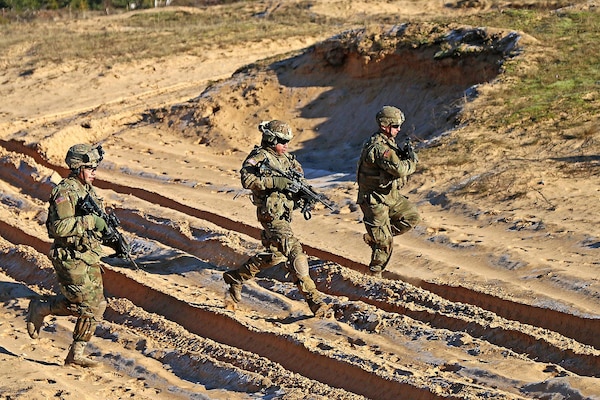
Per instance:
(111,236)
(408,151)
(306,197)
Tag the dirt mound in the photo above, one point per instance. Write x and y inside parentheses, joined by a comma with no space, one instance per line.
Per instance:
(331,91)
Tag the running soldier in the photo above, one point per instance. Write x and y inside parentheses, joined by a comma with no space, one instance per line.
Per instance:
(75,255)
(275,203)
(383,169)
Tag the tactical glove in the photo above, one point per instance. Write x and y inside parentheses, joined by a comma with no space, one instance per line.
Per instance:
(280,182)
(100,224)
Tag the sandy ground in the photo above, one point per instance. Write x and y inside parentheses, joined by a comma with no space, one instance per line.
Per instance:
(485,299)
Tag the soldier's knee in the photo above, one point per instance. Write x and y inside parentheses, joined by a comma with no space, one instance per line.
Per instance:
(382,237)
(401,227)
(299,264)
(413,219)
(73,293)
(232,277)
(405,224)
(249,269)
(99,310)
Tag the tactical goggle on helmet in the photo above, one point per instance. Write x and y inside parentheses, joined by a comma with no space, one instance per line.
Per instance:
(275,131)
(84,155)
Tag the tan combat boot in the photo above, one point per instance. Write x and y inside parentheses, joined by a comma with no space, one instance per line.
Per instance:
(235,291)
(319,308)
(36,312)
(235,287)
(376,272)
(76,356)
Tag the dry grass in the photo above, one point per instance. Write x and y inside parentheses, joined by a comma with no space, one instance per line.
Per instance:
(160,33)
(566,80)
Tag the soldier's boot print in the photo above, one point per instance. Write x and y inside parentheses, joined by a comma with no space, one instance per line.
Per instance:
(77,357)
(37,310)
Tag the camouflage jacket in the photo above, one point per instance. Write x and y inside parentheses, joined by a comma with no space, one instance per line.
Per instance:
(272,203)
(67,226)
(381,171)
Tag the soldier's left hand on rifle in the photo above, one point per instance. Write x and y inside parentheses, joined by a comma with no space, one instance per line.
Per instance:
(408,151)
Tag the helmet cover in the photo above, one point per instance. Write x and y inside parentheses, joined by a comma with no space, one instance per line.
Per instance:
(389,115)
(84,155)
(275,131)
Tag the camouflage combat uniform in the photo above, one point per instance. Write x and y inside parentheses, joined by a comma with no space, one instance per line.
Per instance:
(387,213)
(75,256)
(274,211)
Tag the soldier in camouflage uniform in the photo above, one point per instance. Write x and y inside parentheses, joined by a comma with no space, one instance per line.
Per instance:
(274,206)
(382,171)
(75,255)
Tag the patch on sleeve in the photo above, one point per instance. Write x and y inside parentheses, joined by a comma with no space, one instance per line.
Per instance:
(64,208)
(387,154)
(252,162)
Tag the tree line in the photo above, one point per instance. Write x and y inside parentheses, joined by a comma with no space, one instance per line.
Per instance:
(33,5)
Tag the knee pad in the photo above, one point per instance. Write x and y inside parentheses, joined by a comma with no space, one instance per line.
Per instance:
(299,265)
(73,293)
(99,311)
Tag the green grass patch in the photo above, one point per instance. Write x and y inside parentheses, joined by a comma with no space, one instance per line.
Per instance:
(567,74)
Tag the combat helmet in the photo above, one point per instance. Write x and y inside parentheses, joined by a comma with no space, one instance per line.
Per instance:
(84,155)
(274,132)
(389,115)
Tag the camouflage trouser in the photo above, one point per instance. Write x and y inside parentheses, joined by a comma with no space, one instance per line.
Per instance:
(280,244)
(82,292)
(382,223)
